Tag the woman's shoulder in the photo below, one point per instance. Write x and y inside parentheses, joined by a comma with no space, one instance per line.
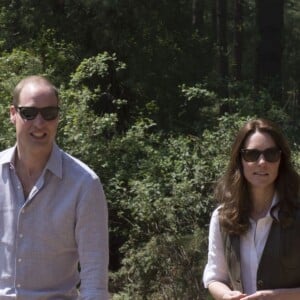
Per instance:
(216,211)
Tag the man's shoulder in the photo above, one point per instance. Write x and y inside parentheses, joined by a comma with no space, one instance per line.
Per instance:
(7,150)
(77,166)
(6,155)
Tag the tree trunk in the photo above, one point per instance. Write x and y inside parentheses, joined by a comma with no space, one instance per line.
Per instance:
(198,12)
(270,46)
(221,18)
(58,6)
(222,37)
(238,39)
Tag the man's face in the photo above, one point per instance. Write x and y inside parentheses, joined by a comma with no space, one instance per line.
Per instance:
(36,135)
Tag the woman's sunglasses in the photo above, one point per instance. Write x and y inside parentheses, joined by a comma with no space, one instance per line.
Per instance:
(48,113)
(269,154)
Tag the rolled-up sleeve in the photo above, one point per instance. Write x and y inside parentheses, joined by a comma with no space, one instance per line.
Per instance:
(216,267)
(92,238)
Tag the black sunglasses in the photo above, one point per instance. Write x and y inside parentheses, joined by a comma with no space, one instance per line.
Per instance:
(48,113)
(252,155)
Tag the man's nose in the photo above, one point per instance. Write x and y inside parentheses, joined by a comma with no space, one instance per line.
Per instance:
(39,119)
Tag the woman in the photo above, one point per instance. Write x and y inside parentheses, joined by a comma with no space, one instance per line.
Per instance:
(254,235)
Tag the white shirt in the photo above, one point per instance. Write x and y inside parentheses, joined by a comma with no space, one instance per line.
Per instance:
(252,244)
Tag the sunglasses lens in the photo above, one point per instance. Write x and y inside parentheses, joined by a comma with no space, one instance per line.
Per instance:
(272,154)
(28,113)
(49,113)
(250,155)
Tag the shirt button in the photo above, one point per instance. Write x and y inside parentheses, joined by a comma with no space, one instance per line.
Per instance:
(21,235)
(18,285)
(19,259)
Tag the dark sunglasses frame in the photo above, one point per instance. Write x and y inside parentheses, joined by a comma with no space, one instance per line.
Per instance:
(48,113)
(270,154)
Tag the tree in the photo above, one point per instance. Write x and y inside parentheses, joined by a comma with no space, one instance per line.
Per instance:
(238,39)
(198,14)
(223,69)
(222,39)
(270,46)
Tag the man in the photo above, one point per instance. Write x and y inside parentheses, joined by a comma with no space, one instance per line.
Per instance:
(53,213)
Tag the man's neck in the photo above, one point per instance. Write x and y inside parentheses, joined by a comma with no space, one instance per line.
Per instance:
(31,162)
(29,169)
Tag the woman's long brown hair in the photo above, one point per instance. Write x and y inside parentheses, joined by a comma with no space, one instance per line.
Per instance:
(232,189)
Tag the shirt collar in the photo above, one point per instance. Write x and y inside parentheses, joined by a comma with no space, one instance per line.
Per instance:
(275,212)
(54,163)
(8,156)
(275,201)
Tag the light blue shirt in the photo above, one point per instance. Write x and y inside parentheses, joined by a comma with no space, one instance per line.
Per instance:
(63,221)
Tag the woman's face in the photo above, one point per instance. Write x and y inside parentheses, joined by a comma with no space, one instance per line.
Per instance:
(260,174)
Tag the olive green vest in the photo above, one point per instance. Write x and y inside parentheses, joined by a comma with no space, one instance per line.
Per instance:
(279,266)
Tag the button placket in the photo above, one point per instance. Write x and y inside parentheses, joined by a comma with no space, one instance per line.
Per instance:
(20,240)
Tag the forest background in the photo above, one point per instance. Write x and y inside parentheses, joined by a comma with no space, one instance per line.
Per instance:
(152,94)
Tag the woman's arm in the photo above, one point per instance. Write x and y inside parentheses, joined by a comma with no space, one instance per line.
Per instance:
(221,291)
(216,267)
(278,294)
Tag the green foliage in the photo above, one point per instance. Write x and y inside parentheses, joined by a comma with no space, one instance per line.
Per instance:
(97,66)
(142,110)
(158,186)
(165,199)
(101,74)
(17,64)
(199,103)
(58,57)
(7,136)
(81,132)
(198,92)
(165,267)
(158,189)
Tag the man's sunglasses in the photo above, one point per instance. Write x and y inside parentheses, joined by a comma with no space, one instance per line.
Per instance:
(269,154)
(48,113)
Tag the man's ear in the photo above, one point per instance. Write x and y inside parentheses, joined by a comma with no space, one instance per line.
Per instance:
(13,114)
